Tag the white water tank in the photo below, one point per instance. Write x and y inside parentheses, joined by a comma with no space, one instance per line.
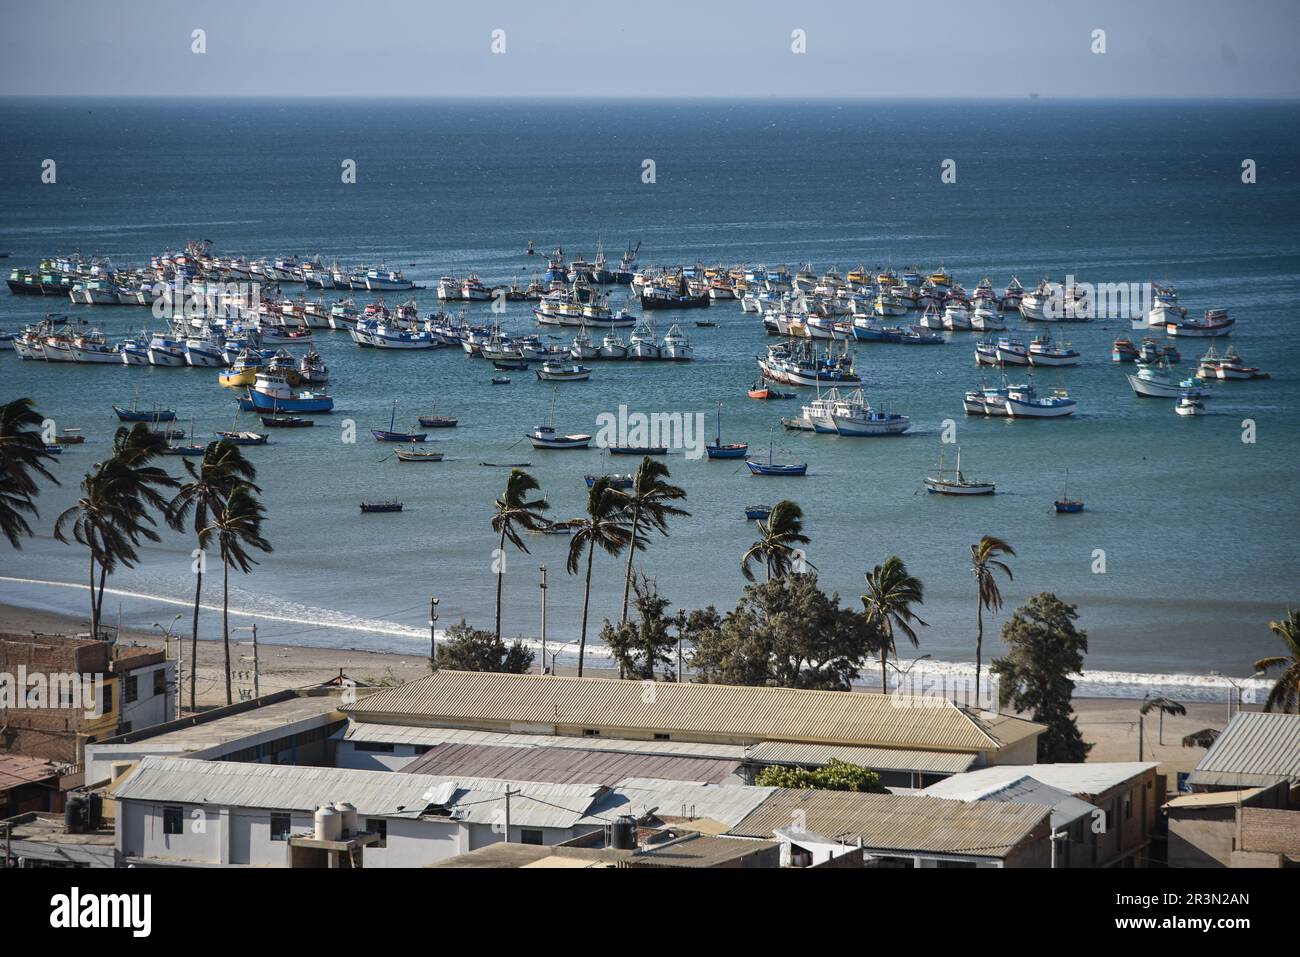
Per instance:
(348,818)
(329,823)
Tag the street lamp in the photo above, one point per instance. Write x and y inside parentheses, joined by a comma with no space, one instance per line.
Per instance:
(542,569)
(1236,688)
(168,634)
(557,653)
(257,684)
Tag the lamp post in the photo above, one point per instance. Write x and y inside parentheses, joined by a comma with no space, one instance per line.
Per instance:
(168,634)
(542,569)
(433,632)
(257,682)
(557,653)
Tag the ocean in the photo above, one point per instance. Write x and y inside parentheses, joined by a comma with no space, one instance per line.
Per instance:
(1196,527)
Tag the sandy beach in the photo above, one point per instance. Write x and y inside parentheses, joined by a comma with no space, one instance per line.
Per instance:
(1110,724)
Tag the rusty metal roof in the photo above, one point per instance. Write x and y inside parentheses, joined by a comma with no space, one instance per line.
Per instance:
(897,823)
(611,705)
(566,765)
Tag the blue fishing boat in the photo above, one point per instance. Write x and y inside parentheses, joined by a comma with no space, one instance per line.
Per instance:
(135,415)
(734,450)
(757,512)
(620,482)
(776,468)
(1065,504)
(272,393)
(388,435)
(638,450)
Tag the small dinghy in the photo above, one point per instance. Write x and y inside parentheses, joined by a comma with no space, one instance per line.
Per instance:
(414,454)
(772,468)
(381,506)
(286,422)
(245,438)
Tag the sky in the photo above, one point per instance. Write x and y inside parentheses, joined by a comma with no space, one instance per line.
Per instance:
(653,48)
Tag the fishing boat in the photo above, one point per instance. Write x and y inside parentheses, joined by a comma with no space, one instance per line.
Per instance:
(716,450)
(70,437)
(676,347)
(1189,405)
(986,400)
(286,422)
(562,372)
(545,436)
(435,421)
(763,392)
(381,506)
(1228,366)
(164,351)
(955,482)
(183,449)
(1044,351)
(1154,382)
(243,371)
(1123,350)
(244,438)
(613,347)
(984,318)
(620,482)
(390,435)
(1214,323)
(1065,504)
(776,469)
(1012,295)
(852,415)
(798,363)
(1024,402)
(757,512)
(271,392)
(638,450)
(501,380)
(136,414)
(312,368)
(642,344)
(415,454)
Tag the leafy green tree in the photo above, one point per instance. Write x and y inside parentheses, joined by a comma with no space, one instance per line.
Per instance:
(473,649)
(1045,649)
(22,460)
(645,644)
(222,468)
(605,526)
(513,511)
(891,593)
(1285,695)
(836,775)
(779,536)
(650,501)
(788,633)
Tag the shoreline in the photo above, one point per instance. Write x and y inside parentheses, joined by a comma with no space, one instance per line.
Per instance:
(1110,724)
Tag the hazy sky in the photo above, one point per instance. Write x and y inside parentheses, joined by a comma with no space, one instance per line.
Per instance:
(926,48)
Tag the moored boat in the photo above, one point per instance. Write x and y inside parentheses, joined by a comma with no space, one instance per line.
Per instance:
(954,481)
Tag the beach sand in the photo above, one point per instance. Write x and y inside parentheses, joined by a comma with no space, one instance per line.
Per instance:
(1110,724)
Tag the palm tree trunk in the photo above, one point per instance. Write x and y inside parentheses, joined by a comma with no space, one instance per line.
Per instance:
(586,603)
(979,646)
(884,676)
(94,612)
(99,602)
(631,553)
(194,635)
(501,567)
(225,622)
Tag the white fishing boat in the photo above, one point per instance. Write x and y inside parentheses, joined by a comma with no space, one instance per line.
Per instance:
(613,347)
(545,436)
(563,372)
(583,348)
(956,317)
(1215,323)
(473,289)
(954,481)
(449,289)
(1189,405)
(164,351)
(985,317)
(642,344)
(676,347)
(383,280)
(1155,382)
(852,415)
(1024,402)
(987,400)
(1044,351)
(932,318)
(1035,305)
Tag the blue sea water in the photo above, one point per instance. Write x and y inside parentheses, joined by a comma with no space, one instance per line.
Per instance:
(1197,527)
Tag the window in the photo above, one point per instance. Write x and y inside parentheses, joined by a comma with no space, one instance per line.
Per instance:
(377,825)
(381,747)
(130,689)
(105,693)
(280,827)
(173,820)
(530,837)
(1128,807)
(160,681)
(423,748)
(124,727)
(590,733)
(663,737)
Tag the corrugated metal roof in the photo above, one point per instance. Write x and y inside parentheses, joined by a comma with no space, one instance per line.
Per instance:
(1066,809)
(894,823)
(641,796)
(778,714)
(567,765)
(1213,798)
(877,759)
(374,793)
(19,769)
(409,734)
(1255,748)
(698,850)
(1090,778)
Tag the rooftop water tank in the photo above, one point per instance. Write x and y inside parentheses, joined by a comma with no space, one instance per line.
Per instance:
(623,833)
(329,823)
(348,813)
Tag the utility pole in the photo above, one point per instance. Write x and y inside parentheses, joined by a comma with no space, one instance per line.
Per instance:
(257,678)
(543,571)
(508,795)
(433,633)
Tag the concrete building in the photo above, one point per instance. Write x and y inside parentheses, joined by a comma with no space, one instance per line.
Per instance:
(1128,796)
(1208,828)
(138,687)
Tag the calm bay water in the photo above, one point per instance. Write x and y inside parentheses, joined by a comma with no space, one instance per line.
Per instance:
(1198,528)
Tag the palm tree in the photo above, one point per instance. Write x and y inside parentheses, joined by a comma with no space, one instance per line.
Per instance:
(648,500)
(891,592)
(222,468)
(777,537)
(1285,695)
(95,524)
(605,527)
(984,562)
(237,527)
(22,449)
(1164,706)
(515,511)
